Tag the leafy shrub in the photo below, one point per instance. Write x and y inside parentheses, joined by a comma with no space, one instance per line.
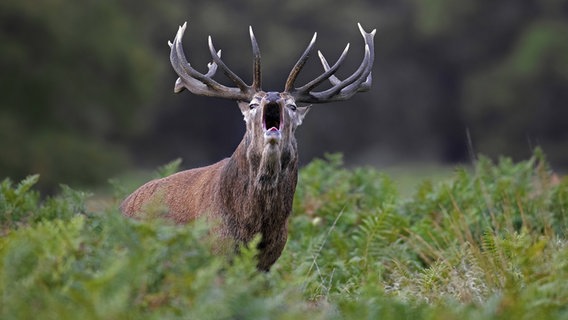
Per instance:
(20,205)
(487,243)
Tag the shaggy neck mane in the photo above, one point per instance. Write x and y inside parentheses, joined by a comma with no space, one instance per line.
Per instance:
(260,173)
(261,189)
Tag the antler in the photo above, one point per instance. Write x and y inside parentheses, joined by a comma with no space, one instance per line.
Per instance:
(359,81)
(203,84)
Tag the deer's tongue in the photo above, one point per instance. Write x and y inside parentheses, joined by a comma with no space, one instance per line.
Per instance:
(272,136)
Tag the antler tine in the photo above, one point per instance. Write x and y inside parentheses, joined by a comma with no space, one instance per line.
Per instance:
(359,81)
(346,88)
(230,74)
(329,71)
(333,79)
(257,80)
(299,65)
(203,84)
(212,66)
(186,73)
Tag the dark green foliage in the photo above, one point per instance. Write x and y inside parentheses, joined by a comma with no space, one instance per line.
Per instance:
(20,205)
(489,243)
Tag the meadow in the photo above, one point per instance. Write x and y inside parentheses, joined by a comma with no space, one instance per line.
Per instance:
(487,242)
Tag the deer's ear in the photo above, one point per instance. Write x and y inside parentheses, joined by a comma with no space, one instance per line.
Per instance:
(301,112)
(245,108)
(243,105)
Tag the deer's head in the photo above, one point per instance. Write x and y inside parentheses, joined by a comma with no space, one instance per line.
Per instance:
(272,117)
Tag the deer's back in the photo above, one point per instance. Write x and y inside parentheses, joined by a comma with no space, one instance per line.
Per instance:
(182,197)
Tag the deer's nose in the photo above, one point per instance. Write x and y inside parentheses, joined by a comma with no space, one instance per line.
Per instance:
(272,97)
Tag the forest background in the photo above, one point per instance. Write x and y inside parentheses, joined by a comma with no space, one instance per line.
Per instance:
(86,88)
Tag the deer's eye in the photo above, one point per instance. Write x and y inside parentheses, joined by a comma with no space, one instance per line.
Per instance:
(253,105)
(292,107)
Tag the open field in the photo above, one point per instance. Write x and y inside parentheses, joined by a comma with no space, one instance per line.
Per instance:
(482,243)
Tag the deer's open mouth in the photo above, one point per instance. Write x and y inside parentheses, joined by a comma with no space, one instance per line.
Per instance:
(272,117)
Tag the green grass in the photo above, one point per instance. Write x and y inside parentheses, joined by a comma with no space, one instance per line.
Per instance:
(484,243)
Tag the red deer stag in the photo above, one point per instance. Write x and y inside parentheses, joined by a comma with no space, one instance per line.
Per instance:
(252,191)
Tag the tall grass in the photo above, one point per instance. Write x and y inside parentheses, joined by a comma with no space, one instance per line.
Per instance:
(487,243)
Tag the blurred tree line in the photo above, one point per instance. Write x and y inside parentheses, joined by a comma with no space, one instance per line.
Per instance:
(86,86)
